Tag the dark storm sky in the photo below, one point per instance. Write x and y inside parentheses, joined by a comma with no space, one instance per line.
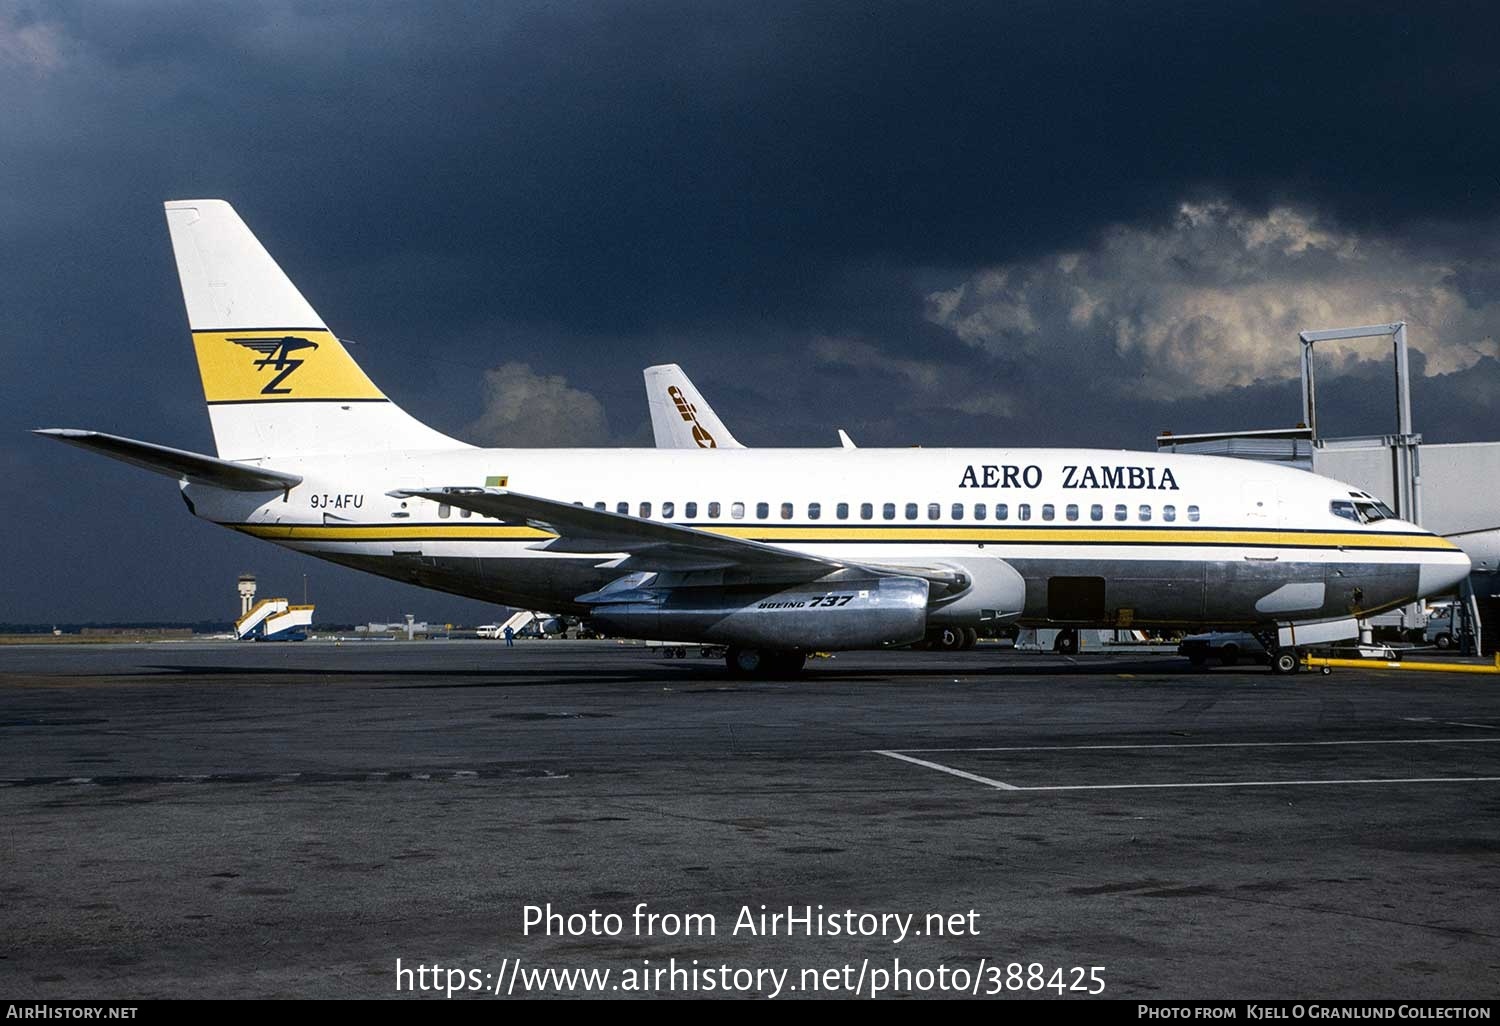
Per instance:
(989,224)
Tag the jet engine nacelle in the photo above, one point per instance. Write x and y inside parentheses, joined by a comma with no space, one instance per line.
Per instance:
(996,593)
(822,616)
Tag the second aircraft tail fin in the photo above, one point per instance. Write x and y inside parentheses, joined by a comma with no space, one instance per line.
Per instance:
(680,417)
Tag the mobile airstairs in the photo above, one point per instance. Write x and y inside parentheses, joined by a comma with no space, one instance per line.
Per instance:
(274,619)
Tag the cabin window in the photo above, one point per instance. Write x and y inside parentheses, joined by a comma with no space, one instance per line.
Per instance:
(645,510)
(1121,512)
(622,507)
(888,511)
(1048,511)
(600,506)
(737,510)
(667,509)
(786,511)
(814,510)
(713,511)
(843,511)
(1002,511)
(958,511)
(762,510)
(1169,513)
(911,511)
(690,510)
(1193,513)
(444,510)
(1096,512)
(1023,511)
(866,511)
(466,513)
(1145,512)
(981,510)
(1072,511)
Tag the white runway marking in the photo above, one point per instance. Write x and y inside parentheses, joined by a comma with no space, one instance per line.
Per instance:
(986,781)
(1266,783)
(1450,723)
(1221,744)
(903,755)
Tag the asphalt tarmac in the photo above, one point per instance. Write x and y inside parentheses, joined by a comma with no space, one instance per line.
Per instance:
(219,820)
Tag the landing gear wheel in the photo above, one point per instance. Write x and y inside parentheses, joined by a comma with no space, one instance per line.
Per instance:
(1066,643)
(1285,662)
(971,638)
(760,662)
(745,662)
(948,639)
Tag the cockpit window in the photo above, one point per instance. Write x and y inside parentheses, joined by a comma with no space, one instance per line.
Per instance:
(1374,510)
(1361,510)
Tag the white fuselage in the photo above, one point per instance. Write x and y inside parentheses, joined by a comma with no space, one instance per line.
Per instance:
(1175,539)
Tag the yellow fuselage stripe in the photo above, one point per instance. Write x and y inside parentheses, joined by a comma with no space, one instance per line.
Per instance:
(768,533)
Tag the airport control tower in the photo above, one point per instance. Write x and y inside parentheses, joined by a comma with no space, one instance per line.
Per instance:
(247,593)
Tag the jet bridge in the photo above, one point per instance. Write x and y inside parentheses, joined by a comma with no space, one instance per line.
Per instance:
(1447,489)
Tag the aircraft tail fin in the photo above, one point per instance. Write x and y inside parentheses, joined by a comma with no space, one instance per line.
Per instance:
(277,381)
(680,417)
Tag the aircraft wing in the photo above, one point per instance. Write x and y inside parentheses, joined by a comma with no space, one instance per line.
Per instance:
(657,544)
(178,463)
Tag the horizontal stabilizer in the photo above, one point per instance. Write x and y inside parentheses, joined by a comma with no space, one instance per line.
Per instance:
(178,463)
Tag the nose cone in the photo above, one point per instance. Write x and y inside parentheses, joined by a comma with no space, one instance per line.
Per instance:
(1441,573)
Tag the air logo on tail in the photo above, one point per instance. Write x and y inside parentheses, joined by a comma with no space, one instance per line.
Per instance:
(276,355)
(278,365)
(690,414)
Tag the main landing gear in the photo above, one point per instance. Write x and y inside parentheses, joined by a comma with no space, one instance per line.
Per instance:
(764,662)
(948,639)
(1066,642)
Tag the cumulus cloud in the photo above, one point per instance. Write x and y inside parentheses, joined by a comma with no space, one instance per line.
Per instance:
(924,384)
(524,409)
(29,43)
(1214,300)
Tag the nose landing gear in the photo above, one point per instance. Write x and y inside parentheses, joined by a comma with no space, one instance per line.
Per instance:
(1284,661)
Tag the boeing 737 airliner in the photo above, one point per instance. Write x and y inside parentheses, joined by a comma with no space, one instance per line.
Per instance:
(771,552)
